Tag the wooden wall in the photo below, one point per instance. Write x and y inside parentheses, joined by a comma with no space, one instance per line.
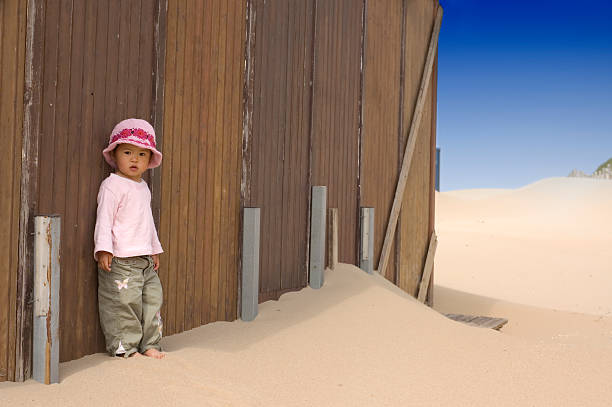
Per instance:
(278,159)
(336,114)
(200,186)
(12,50)
(298,121)
(97,60)
(416,217)
(355,150)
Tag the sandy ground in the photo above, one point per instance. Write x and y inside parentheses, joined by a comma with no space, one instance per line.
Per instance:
(539,255)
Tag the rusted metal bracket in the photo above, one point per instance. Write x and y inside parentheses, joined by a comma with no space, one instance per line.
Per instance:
(45,360)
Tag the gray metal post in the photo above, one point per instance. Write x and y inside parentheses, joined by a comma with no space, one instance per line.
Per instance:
(45,357)
(317,236)
(366,255)
(250,264)
(438,169)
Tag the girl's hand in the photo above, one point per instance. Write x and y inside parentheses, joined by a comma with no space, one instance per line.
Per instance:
(104,260)
(155,261)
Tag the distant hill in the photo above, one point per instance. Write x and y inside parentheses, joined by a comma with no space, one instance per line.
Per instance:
(607,164)
(604,171)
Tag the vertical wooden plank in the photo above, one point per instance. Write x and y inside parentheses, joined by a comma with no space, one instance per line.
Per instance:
(7,119)
(220,147)
(205,143)
(280,102)
(307,127)
(100,128)
(211,81)
(87,322)
(60,166)
(123,42)
(195,268)
(73,147)
(111,116)
(149,25)
(20,22)
(184,192)
(176,305)
(48,108)
(29,184)
(290,141)
(214,169)
(237,38)
(265,134)
(291,266)
(167,167)
(132,59)
(225,165)
(160,34)
(339,121)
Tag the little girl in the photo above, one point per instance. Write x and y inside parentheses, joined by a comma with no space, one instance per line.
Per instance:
(127,247)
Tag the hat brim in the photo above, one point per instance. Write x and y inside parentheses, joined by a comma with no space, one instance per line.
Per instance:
(155,161)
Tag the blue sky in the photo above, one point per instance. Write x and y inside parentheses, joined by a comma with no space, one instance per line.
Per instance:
(524,90)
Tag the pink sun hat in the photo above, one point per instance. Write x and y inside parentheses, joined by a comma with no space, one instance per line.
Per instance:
(133,131)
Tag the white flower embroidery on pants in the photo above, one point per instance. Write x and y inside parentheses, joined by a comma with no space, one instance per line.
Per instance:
(120,349)
(122,284)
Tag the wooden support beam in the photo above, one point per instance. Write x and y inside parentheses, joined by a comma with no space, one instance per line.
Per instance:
(332,238)
(429,262)
(410,146)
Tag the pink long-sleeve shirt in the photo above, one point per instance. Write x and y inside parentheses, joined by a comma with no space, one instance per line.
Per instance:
(124,225)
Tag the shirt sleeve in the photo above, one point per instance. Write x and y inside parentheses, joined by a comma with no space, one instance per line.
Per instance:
(155,244)
(103,233)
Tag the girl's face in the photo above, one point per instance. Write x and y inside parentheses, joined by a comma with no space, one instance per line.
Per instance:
(131,161)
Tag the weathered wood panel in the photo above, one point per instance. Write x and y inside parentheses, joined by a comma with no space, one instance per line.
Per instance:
(335,132)
(97,70)
(12,50)
(415,213)
(200,178)
(278,178)
(381,158)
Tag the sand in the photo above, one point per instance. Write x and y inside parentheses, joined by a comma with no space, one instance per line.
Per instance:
(536,255)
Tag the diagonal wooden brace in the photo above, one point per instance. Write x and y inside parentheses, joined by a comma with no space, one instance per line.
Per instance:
(428,268)
(410,146)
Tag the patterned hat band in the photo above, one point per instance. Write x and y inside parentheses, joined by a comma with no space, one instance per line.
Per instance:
(137,135)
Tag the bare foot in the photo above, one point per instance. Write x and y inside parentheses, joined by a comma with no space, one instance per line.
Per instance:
(135,355)
(154,353)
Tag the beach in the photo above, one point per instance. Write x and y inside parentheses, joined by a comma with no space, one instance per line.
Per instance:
(537,255)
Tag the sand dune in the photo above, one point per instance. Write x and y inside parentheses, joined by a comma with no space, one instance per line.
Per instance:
(548,244)
(360,341)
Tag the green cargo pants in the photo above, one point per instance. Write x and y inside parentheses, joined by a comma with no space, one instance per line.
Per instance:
(129,301)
